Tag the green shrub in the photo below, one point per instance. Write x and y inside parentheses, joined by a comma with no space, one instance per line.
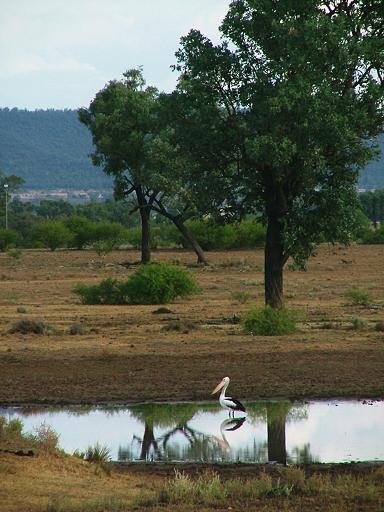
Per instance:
(8,238)
(358,297)
(370,236)
(52,234)
(15,253)
(155,283)
(210,235)
(267,321)
(158,283)
(108,236)
(106,292)
(11,428)
(81,229)
(248,233)
(97,453)
(359,324)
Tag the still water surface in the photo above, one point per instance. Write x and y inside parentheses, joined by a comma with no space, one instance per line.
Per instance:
(285,432)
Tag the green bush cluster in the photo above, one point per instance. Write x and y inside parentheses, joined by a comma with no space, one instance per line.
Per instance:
(237,235)
(8,238)
(266,321)
(370,236)
(155,283)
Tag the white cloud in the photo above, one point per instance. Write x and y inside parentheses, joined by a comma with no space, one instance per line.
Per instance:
(89,42)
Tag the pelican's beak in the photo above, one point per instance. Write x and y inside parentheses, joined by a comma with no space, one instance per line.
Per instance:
(218,387)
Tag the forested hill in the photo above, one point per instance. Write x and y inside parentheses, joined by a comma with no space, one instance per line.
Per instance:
(50,148)
(372,177)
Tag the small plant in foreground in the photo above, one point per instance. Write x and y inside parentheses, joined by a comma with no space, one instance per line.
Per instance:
(97,453)
(46,438)
(359,324)
(241,297)
(77,328)
(22,309)
(15,253)
(379,326)
(267,321)
(10,428)
(358,297)
(31,326)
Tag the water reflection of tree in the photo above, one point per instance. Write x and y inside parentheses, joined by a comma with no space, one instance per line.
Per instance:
(277,415)
(174,417)
(302,455)
(199,445)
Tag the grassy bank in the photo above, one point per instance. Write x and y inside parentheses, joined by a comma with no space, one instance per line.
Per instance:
(58,483)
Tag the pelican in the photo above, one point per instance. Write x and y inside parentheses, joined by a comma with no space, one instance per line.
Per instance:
(226,402)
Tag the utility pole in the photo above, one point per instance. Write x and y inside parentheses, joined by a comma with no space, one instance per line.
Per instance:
(6,205)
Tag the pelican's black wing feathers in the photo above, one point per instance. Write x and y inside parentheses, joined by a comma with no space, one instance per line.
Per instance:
(238,405)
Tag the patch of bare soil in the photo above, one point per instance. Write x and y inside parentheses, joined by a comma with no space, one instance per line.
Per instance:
(132,353)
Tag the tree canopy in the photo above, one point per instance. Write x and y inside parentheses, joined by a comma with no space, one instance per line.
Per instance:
(285,108)
(132,139)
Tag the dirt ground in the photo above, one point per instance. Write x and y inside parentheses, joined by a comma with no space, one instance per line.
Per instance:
(131,353)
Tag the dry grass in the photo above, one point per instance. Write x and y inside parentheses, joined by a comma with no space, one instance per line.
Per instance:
(57,483)
(60,483)
(282,489)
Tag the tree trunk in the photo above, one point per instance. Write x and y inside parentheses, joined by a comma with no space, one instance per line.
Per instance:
(187,234)
(145,213)
(274,260)
(145,235)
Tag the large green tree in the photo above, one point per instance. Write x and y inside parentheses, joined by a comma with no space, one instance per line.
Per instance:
(120,119)
(133,143)
(282,111)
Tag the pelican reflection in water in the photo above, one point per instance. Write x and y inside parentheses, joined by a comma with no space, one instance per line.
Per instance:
(230,425)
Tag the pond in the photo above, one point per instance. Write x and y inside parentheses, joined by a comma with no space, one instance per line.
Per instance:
(283,432)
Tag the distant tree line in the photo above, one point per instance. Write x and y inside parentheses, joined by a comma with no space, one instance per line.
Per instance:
(372,204)
(105,226)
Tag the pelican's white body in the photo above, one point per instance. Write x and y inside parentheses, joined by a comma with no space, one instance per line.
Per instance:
(226,402)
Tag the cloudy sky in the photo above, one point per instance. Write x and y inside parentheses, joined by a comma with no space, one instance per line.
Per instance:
(59,53)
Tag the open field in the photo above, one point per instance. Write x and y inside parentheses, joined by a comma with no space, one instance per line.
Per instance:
(130,354)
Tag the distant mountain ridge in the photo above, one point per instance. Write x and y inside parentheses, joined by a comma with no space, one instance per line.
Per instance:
(50,150)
